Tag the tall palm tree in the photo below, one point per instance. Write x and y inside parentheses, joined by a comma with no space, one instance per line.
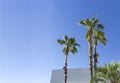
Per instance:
(98,36)
(70,46)
(109,73)
(90,23)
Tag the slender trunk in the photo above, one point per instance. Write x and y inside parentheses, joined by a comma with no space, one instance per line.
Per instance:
(95,59)
(65,67)
(90,52)
(95,56)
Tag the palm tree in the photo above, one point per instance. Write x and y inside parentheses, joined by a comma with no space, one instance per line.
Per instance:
(109,73)
(98,36)
(90,23)
(70,46)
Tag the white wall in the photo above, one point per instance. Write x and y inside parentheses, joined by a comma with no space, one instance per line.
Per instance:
(81,75)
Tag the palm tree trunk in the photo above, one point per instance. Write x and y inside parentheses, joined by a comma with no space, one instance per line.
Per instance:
(65,70)
(65,67)
(95,58)
(90,52)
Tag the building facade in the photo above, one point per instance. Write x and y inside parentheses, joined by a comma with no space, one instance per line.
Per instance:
(79,75)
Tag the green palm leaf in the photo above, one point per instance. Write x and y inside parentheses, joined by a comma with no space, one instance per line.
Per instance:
(87,35)
(69,43)
(108,72)
(73,50)
(66,38)
(64,50)
(76,44)
(61,41)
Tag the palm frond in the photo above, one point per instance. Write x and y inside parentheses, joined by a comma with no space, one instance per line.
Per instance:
(108,72)
(100,36)
(66,38)
(82,22)
(95,22)
(61,41)
(76,44)
(71,41)
(100,27)
(87,35)
(73,50)
(85,22)
(64,50)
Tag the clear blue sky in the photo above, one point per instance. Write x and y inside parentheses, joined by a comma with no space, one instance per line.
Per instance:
(29,30)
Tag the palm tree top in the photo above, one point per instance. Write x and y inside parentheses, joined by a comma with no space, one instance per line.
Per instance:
(69,42)
(100,36)
(96,27)
(91,23)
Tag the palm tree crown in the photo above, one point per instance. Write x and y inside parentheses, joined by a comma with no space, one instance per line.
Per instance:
(69,43)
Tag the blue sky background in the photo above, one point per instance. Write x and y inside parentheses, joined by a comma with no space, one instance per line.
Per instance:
(29,30)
